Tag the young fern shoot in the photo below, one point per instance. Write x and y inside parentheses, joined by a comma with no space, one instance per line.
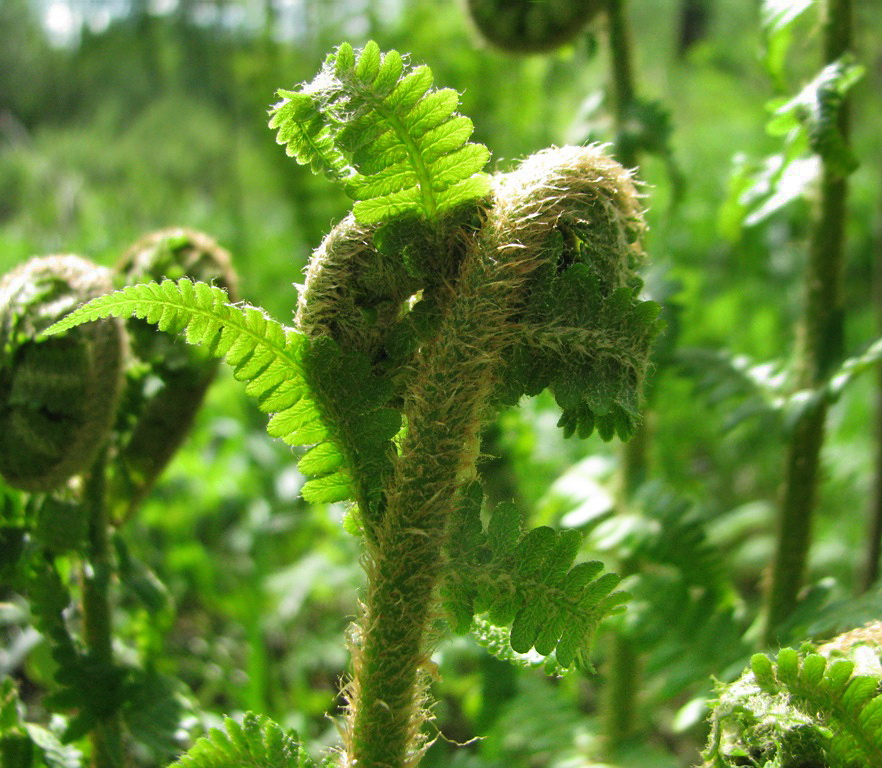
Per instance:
(443,297)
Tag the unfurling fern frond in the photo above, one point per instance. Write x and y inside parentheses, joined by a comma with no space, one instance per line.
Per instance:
(527,582)
(373,123)
(286,373)
(527,26)
(57,396)
(585,331)
(256,742)
(804,708)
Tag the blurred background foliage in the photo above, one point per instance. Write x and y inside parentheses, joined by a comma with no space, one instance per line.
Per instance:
(117,118)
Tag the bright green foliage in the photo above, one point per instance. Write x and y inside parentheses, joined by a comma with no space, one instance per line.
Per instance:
(525,581)
(810,125)
(290,377)
(257,742)
(799,709)
(778,18)
(742,387)
(852,368)
(374,124)
(675,538)
(762,390)
(680,593)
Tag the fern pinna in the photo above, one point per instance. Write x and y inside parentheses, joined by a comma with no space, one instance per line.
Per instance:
(396,145)
(444,296)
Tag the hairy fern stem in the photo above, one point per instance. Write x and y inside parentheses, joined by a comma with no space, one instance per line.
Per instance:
(446,406)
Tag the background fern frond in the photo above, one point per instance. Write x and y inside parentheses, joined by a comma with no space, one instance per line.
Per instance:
(527,582)
(256,742)
(816,109)
(373,123)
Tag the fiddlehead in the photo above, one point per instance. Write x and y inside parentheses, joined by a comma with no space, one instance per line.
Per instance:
(809,707)
(168,386)
(528,26)
(58,396)
(581,330)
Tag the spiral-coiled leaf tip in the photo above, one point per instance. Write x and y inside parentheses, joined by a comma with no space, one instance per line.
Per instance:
(58,395)
(528,26)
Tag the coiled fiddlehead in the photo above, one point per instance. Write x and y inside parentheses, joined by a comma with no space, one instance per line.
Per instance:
(166,390)
(804,708)
(58,395)
(581,329)
(531,26)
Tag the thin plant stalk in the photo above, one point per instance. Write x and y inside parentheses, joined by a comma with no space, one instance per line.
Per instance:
(106,736)
(819,350)
(619,702)
(874,533)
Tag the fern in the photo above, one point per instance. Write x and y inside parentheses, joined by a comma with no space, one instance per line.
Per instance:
(416,313)
(816,110)
(798,708)
(286,374)
(585,330)
(90,685)
(745,388)
(256,742)
(374,124)
(527,582)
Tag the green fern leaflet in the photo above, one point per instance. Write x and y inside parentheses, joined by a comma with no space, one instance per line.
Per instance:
(373,123)
(256,742)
